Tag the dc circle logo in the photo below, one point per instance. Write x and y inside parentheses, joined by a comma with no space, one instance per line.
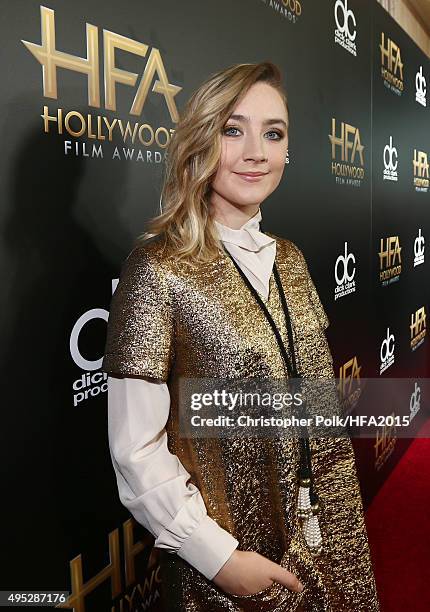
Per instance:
(81,362)
(341,265)
(420,82)
(346,16)
(390,153)
(419,244)
(387,346)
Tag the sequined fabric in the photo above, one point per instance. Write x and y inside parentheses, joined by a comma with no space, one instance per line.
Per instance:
(169,320)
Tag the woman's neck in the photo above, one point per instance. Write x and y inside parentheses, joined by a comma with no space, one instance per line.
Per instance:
(233,216)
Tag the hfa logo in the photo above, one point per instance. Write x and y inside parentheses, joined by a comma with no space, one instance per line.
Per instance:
(51,59)
(345,31)
(386,351)
(390,162)
(390,260)
(102,128)
(418,327)
(421,171)
(419,247)
(93,381)
(347,164)
(420,87)
(132,574)
(391,65)
(385,441)
(344,273)
(290,10)
(349,385)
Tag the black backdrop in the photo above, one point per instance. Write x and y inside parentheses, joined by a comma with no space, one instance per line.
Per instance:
(69,217)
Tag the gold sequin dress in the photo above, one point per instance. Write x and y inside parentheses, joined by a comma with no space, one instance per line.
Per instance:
(169,320)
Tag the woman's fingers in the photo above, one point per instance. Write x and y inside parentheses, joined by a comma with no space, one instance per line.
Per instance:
(283,576)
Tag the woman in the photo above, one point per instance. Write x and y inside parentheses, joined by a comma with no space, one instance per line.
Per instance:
(212,296)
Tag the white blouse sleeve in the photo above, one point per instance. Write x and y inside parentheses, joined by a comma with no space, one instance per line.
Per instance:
(152,481)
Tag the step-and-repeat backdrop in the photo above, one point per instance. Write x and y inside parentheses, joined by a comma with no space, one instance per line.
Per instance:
(91,95)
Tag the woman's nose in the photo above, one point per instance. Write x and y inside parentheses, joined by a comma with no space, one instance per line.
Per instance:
(254,148)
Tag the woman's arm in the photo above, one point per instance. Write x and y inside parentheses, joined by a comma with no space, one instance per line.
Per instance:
(152,481)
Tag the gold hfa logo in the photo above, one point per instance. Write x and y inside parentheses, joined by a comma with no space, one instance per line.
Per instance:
(385,441)
(136,593)
(390,252)
(348,142)
(349,384)
(421,164)
(390,56)
(390,260)
(418,327)
(293,5)
(51,59)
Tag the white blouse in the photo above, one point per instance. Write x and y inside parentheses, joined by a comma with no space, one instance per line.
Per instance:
(152,482)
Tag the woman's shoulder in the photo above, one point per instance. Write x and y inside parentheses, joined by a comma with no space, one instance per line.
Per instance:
(149,252)
(144,263)
(289,249)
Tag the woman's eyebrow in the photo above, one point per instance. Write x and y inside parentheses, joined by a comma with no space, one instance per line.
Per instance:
(265,122)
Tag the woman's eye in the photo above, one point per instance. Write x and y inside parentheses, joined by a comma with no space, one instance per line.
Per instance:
(229,128)
(278,135)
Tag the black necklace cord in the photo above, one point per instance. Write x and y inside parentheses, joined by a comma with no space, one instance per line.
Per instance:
(305,471)
(268,317)
(305,458)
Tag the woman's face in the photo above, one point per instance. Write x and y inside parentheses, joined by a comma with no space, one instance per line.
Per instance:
(254,140)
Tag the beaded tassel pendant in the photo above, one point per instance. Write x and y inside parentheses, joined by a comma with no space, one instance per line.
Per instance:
(307,511)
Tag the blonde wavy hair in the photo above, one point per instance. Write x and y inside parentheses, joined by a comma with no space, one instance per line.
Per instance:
(193,156)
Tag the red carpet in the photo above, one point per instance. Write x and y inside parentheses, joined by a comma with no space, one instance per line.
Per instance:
(398,523)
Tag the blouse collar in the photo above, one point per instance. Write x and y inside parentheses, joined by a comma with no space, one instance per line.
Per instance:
(248,236)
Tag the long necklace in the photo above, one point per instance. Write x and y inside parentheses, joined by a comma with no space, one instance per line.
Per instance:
(307,499)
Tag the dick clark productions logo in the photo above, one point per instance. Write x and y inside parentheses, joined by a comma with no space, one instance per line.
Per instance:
(345,31)
(93,381)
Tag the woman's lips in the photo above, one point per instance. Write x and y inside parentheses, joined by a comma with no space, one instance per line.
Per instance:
(251,178)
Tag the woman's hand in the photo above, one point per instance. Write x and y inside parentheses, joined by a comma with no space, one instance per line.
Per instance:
(247,572)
